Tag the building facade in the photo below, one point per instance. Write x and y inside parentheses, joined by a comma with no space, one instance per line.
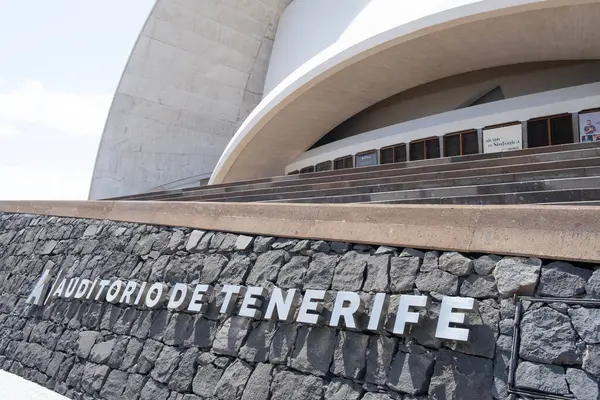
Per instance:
(243,90)
(197,70)
(214,293)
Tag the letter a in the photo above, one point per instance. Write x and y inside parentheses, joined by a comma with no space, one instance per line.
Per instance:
(40,291)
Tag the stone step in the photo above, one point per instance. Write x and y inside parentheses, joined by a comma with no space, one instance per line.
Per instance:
(590,167)
(589,203)
(423,194)
(571,196)
(568,159)
(571,151)
(499,188)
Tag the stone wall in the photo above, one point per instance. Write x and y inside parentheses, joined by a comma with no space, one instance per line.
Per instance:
(99,350)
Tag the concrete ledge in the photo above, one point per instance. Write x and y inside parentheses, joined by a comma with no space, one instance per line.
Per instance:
(555,232)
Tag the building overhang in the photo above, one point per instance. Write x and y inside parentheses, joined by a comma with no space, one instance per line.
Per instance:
(335,85)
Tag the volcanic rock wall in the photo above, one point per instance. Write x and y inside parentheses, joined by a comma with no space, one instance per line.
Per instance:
(104,351)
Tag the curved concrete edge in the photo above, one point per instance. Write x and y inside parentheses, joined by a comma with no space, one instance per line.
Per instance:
(554,232)
(324,67)
(195,72)
(103,137)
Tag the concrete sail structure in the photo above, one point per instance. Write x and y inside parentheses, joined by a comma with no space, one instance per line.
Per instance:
(195,73)
(254,89)
(387,48)
(403,204)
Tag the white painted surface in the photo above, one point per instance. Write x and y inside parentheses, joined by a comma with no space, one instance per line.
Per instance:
(571,100)
(13,387)
(196,72)
(506,138)
(309,28)
(337,83)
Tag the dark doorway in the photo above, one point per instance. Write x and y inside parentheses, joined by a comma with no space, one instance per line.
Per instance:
(461,143)
(550,131)
(425,148)
(343,162)
(324,166)
(393,154)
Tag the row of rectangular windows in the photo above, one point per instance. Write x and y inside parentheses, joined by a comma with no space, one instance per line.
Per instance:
(546,131)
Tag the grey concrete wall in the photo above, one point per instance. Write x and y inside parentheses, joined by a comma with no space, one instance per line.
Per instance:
(451,93)
(97,350)
(196,72)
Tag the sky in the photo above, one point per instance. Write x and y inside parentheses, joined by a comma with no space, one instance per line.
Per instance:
(60,64)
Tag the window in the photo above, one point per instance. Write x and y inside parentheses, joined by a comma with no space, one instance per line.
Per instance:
(393,154)
(343,162)
(417,150)
(461,143)
(366,159)
(296,172)
(306,170)
(324,166)
(550,131)
(452,146)
(425,148)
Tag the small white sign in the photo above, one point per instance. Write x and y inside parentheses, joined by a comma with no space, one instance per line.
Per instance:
(505,138)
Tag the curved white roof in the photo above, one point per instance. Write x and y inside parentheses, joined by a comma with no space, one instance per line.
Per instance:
(353,74)
(190,101)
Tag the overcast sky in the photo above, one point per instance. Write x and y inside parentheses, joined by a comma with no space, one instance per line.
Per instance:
(60,63)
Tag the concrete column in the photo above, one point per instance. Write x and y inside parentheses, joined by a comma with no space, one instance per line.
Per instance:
(441,146)
(480,140)
(575,122)
(524,133)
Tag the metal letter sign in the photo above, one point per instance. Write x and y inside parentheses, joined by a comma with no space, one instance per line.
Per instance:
(348,307)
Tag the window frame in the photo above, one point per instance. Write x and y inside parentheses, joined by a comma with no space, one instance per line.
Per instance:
(343,159)
(425,140)
(460,142)
(548,119)
(362,153)
(328,162)
(394,148)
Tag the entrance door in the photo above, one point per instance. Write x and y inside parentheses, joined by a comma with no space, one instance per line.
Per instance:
(425,148)
(393,154)
(461,143)
(550,131)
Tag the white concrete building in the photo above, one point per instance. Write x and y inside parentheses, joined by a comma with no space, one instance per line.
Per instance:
(238,90)
(197,70)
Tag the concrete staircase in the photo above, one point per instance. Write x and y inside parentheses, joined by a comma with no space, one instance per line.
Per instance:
(567,174)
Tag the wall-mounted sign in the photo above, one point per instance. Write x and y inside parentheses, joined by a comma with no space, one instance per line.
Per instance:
(505,138)
(366,159)
(287,306)
(589,127)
